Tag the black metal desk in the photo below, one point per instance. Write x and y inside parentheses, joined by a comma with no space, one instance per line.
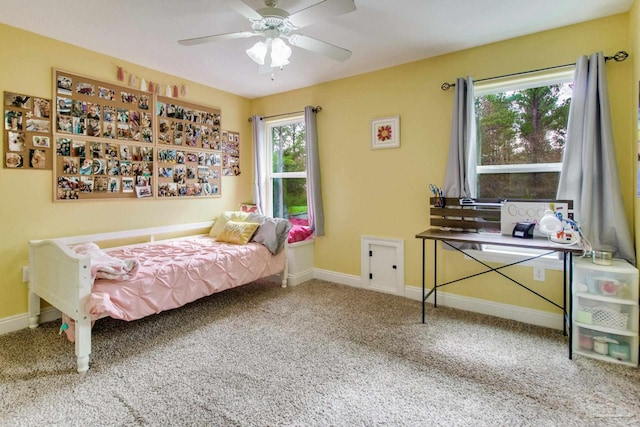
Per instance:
(450,238)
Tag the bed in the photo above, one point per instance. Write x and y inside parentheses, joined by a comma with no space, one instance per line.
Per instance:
(86,283)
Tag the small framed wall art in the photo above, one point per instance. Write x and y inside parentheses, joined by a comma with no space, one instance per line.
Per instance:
(385,132)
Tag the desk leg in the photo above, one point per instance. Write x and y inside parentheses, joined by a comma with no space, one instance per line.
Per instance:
(567,321)
(570,262)
(435,274)
(435,277)
(564,294)
(423,277)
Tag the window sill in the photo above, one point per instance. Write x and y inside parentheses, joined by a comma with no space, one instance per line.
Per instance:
(304,242)
(503,255)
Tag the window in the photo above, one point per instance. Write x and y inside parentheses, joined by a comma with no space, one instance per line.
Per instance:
(287,170)
(521,131)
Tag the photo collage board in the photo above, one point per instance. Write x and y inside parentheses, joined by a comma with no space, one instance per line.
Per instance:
(108,144)
(230,153)
(27,132)
(189,149)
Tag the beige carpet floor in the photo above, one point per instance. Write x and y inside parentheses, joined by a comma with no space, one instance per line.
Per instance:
(318,354)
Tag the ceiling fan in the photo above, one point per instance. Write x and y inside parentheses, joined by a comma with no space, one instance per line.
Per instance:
(276,25)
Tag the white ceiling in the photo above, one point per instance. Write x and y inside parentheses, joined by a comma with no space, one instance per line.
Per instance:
(380,33)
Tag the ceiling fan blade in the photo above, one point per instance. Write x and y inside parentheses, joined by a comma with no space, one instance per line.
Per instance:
(217,37)
(318,46)
(322,10)
(243,9)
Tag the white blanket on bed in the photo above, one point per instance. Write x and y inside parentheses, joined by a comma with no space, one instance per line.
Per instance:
(104,266)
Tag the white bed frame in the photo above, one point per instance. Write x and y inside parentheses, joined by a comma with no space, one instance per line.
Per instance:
(63,278)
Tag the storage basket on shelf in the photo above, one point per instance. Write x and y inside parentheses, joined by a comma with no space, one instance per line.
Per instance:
(603,316)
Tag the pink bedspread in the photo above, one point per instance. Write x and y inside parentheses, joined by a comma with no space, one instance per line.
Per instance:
(173,273)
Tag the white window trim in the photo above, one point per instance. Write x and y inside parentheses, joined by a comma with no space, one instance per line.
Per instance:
(288,175)
(520,168)
(524,82)
(268,158)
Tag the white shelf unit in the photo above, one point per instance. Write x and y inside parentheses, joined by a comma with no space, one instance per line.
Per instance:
(605,311)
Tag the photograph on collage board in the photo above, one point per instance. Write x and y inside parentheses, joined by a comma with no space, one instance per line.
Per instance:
(104,139)
(230,153)
(188,173)
(27,132)
(189,149)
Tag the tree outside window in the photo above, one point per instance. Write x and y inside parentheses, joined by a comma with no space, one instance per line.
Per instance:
(521,138)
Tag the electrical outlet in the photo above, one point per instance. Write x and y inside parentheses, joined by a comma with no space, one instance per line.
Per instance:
(538,274)
(25,274)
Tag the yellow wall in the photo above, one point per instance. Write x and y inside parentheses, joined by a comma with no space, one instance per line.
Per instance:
(381,193)
(384,193)
(634,44)
(28,211)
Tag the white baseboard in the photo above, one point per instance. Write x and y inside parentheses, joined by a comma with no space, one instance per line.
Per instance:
(296,279)
(505,311)
(21,321)
(349,280)
(292,279)
(476,305)
(340,278)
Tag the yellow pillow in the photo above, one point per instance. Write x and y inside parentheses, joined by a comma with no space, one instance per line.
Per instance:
(224,217)
(237,232)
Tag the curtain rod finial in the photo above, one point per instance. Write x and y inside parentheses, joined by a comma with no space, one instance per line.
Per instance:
(447,86)
(620,56)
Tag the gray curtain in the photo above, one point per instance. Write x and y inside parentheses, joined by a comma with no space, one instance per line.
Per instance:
(589,174)
(258,163)
(314,189)
(459,180)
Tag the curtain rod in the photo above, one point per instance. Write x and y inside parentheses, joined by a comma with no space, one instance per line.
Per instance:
(620,56)
(315,110)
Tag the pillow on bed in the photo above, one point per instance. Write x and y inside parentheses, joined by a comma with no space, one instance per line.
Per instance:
(250,208)
(225,217)
(237,232)
(299,233)
(256,217)
(272,233)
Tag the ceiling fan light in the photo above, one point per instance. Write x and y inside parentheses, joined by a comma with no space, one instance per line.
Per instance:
(280,53)
(278,62)
(258,52)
